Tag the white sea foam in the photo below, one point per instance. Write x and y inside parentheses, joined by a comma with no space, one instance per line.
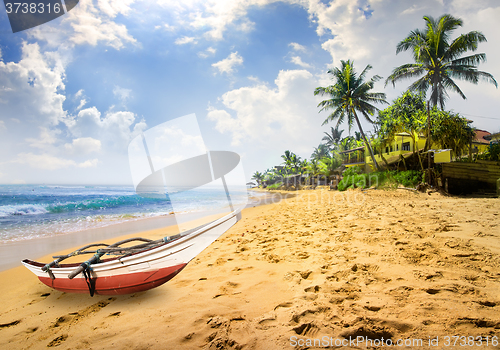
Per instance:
(22,209)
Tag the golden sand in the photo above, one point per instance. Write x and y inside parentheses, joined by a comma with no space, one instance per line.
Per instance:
(323,266)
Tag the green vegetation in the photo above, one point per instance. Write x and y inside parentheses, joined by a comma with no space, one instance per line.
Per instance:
(350,93)
(437,62)
(492,153)
(440,60)
(275,186)
(354,178)
(408,114)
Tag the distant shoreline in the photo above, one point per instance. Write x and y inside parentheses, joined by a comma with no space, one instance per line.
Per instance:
(14,251)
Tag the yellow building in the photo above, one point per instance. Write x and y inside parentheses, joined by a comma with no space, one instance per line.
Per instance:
(404,145)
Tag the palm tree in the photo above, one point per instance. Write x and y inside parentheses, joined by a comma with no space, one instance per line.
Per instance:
(320,152)
(333,138)
(259,177)
(328,166)
(296,162)
(287,159)
(349,94)
(439,60)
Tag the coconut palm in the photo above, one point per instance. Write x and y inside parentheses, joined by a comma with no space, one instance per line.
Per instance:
(296,163)
(259,177)
(350,93)
(320,152)
(333,138)
(439,60)
(291,161)
(328,166)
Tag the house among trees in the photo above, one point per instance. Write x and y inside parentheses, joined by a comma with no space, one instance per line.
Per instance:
(400,146)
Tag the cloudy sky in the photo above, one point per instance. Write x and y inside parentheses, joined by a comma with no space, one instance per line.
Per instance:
(75,91)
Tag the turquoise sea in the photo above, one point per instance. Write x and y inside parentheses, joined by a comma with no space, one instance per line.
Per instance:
(34,211)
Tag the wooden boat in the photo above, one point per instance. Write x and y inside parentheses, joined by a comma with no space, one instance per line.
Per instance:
(137,268)
(151,263)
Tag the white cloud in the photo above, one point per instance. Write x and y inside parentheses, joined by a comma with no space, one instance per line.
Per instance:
(227,64)
(80,94)
(185,40)
(273,118)
(169,28)
(50,162)
(412,9)
(218,15)
(83,102)
(122,93)
(91,163)
(113,131)
(298,61)
(83,145)
(114,7)
(208,52)
(88,24)
(298,47)
(2,125)
(32,87)
(47,138)
(255,79)
(214,17)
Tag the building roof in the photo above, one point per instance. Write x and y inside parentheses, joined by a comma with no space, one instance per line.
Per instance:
(495,136)
(480,134)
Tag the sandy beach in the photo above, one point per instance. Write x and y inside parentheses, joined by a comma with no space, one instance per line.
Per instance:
(312,271)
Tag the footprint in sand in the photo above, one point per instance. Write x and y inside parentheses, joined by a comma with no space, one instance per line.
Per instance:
(57,341)
(10,324)
(39,298)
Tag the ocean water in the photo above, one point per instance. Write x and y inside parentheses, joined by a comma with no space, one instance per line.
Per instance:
(33,211)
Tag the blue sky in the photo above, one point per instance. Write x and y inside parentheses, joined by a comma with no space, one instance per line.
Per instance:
(75,91)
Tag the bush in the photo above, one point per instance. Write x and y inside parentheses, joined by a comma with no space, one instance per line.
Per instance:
(410,178)
(492,153)
(275,186)
(353,170)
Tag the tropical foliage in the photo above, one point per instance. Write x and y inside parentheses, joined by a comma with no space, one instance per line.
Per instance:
(452,131)
(439,60)
(492,153)
(350,94)
(408,114)
(354,178)
(333,138)
(259,177)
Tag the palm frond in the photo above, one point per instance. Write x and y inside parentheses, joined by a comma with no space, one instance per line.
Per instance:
(404,72)
(450,84)
(471,74)
(464,43)
(414,39)
(472,60)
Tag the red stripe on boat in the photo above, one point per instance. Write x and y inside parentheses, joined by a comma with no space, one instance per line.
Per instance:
(116,285)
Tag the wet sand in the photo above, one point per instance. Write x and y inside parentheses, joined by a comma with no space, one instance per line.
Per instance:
(320,267)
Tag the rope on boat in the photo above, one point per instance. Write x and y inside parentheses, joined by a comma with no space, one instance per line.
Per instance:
(113,249)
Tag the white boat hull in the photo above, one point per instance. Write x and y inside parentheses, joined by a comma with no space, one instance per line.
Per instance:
(140,271)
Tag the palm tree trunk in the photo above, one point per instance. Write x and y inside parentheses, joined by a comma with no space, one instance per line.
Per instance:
(366,141)
(418,153)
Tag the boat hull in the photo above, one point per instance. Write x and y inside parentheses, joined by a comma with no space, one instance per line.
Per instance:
(137,272)
(116,285)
